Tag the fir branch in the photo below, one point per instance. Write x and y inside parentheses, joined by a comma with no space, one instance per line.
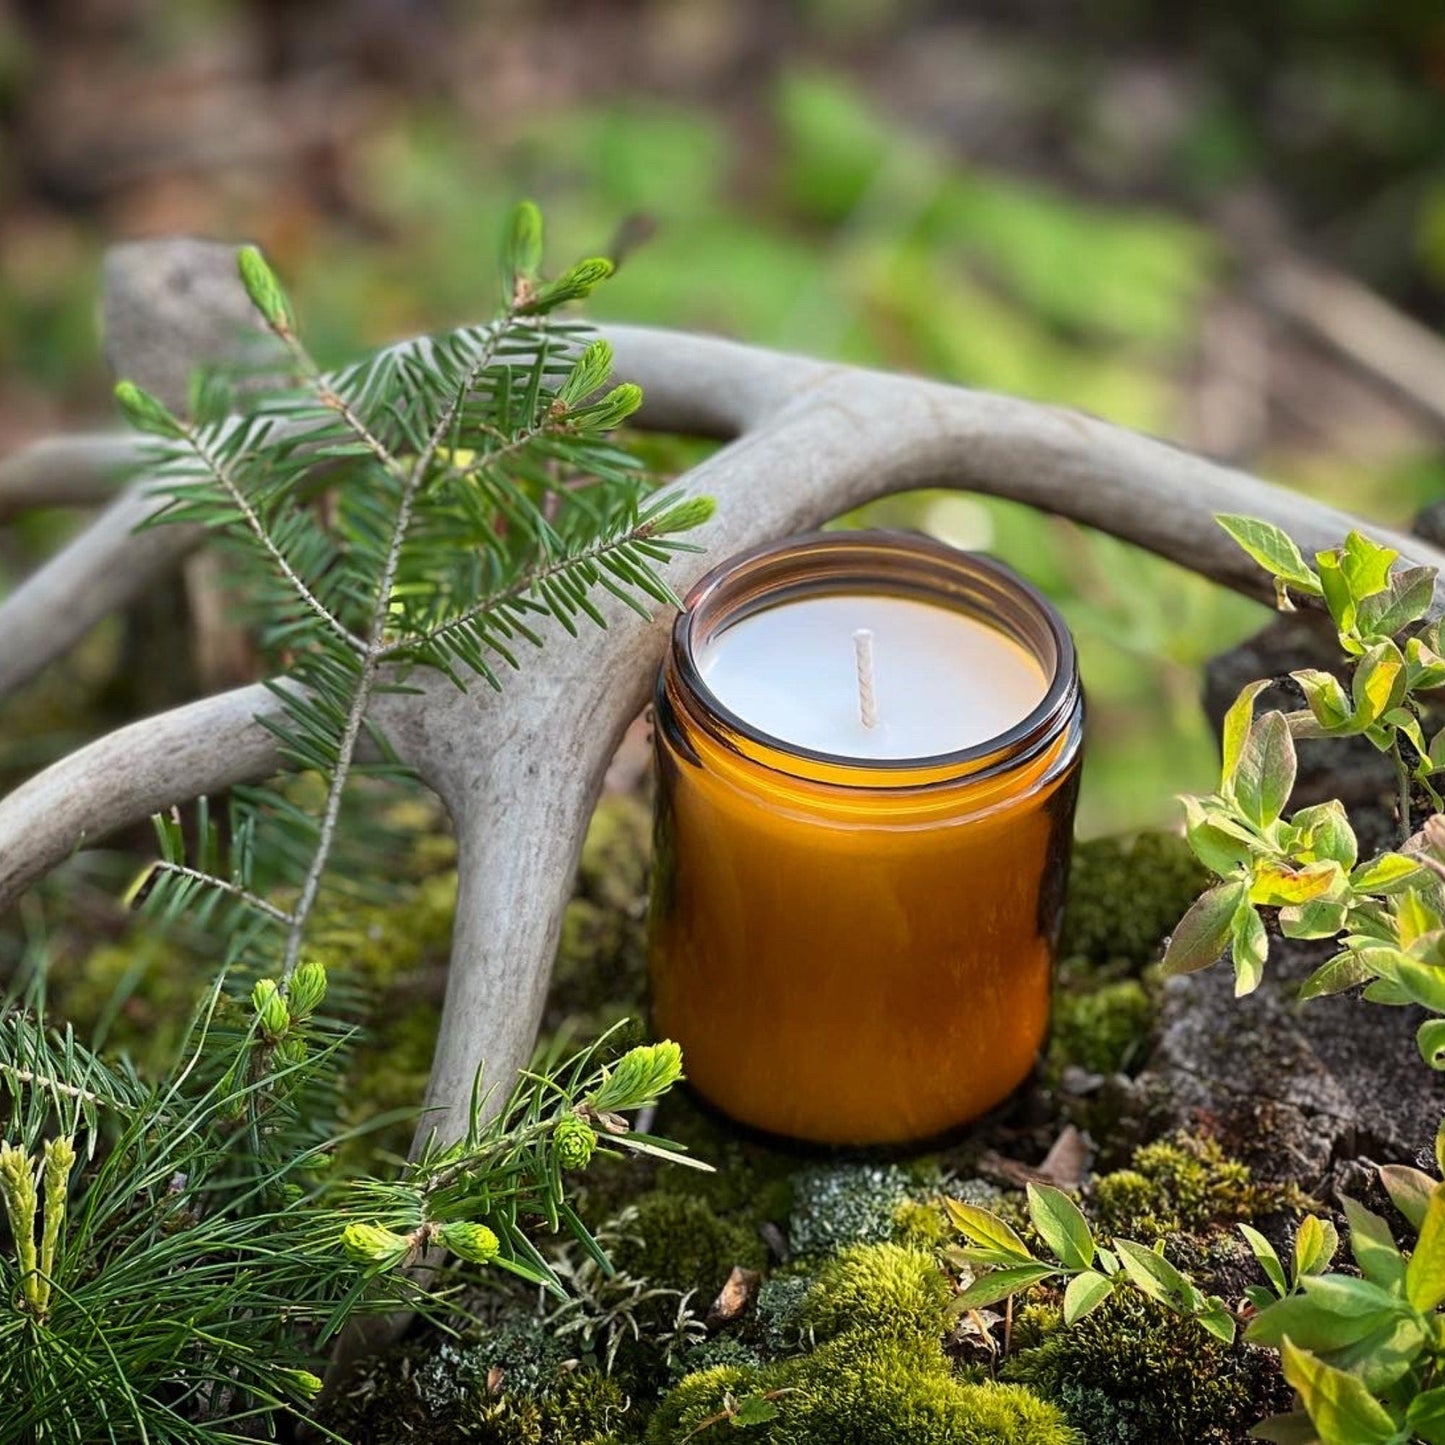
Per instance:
(374,650)
(221,885)
(224,478)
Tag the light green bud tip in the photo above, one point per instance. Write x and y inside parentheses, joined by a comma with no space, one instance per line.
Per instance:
(271,1009)
(639,1077)
(145,412)
(474,1242)
(303,1382)
(371,1244)
(575,1139)
(262,287)
(307,989)
(683,516)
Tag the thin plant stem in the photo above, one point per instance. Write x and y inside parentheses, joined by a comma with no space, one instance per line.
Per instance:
(1402,783)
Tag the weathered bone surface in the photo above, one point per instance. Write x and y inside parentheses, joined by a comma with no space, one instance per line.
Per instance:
(519,771)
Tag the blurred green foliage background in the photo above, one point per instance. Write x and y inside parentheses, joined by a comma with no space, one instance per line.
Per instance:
(1072,203)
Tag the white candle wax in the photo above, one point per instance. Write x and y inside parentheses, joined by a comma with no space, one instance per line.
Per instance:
(943,681)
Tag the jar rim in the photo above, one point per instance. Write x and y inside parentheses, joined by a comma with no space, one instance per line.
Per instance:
(1009,748)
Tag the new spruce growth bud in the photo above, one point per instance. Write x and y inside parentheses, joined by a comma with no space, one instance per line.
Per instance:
(474,1242)
(145,412)
(271,1009)
(639,1077)
(682,516)
(372,1244)
(575,1139)
(306,990)
(263,288)
(570,286)
(17,1186)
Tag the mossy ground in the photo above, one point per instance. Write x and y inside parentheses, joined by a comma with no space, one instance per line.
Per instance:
(846,1333)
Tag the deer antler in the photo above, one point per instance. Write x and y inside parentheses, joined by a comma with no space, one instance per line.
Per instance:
(520,771)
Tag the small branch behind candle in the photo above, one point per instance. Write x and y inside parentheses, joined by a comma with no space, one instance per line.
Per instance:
(867,698)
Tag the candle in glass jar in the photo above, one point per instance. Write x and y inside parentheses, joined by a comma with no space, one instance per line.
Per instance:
(941,680)
(853,922)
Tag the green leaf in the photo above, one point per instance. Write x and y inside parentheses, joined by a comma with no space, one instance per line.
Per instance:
(1378,683)
(1430,1040)
(1085,1293)
(1327,834)
(1265,776)
(998,1284)
(589,374)
(263,288)
(1201,935)
(1424,667)
(1307,1322)
(1425,1273)
(1152,1273)
(1366,565)
(987,1229)
(1267,1258)
(1217,1321)
(1277,885)
(1426,1416)
(1293,1429)
(1373,1246)
(1410,1191)
(1237,723)
(1320,919)
(145,412)
(1345,970)
(1338,598)
(1343,1411)
(1388,873)
(522,246)
(1315,1243)
(1406,599)
(1328,701)
(753,1410)
(1063,1227)
(1249,947)
(1273,548)
(1218,849)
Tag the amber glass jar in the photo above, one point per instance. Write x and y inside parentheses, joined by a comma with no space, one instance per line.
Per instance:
(858,951)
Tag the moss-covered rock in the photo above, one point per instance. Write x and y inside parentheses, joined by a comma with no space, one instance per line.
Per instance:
(1104,1030)
(1124,898)
(836,1205)
(1184,1182)
(678,1242)
(886,1289)
(856,1389)
(1133,1373)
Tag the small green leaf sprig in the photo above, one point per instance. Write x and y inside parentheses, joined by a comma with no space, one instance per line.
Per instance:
(1003,1264)
(1365,1353)
(472,1199)
(1387,912)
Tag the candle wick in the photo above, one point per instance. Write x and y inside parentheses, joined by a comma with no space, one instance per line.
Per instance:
(867,697)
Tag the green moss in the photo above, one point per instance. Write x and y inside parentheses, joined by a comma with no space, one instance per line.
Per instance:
(920,1224)
(1133,1373)
(1181,1183)
(841,1204)
(859,1389)
(886,1289)
(680,1243)
(513,1387)
(1124,898)
(1104,1030)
